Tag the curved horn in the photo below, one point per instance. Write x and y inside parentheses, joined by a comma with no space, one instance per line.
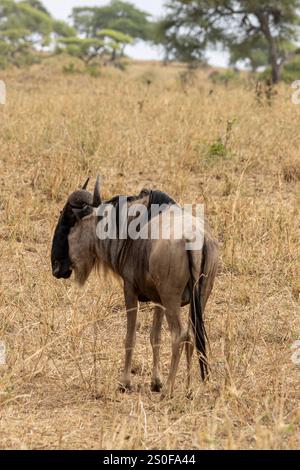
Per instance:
(85,184)
(97,198)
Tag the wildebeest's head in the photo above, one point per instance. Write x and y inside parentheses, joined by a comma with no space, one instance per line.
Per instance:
(79,205)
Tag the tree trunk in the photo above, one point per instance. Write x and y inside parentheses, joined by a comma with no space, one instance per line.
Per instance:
(273,50)
(274,60)
(113,55)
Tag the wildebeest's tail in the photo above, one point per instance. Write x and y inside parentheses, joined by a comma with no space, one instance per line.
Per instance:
(200,290)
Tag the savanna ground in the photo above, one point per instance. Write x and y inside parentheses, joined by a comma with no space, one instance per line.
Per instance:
(150,126)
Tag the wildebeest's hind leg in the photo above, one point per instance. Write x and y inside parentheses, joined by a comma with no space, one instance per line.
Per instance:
(155,338)
(131,303)
(189,349)
(177,339)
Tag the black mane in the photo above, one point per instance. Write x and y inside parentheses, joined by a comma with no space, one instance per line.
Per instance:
(155,197)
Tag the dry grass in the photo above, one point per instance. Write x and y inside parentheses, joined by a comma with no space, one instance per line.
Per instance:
(198,142)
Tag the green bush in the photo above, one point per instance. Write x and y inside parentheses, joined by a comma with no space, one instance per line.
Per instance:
(291,70)
(217,149)
(289,73)
(265,75)
(27,58)
(93,70)
(224,77)
(3,62)
(70,68)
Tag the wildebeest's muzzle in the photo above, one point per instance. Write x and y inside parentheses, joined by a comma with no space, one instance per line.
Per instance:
(61,264)
(62,269)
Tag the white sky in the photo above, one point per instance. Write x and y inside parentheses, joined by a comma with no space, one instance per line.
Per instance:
(61,9)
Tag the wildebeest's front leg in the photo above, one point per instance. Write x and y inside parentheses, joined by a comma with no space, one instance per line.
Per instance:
(155,338)
(131,303)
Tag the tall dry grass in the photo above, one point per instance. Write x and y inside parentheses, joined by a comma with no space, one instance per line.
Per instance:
(200,142)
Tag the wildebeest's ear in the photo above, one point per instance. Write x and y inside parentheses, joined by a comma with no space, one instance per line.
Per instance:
(81,213)
(97,198)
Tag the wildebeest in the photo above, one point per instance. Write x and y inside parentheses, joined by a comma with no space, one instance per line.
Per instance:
(159,270)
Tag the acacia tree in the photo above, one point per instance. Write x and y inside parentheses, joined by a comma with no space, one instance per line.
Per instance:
(118,16)
(117,41)
(107,42)
(22,26)
(190,26)
(38,5)
(26,26)
(85,49)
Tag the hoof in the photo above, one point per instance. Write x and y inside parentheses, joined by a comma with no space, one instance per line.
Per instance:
(156,386)
(125,388)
